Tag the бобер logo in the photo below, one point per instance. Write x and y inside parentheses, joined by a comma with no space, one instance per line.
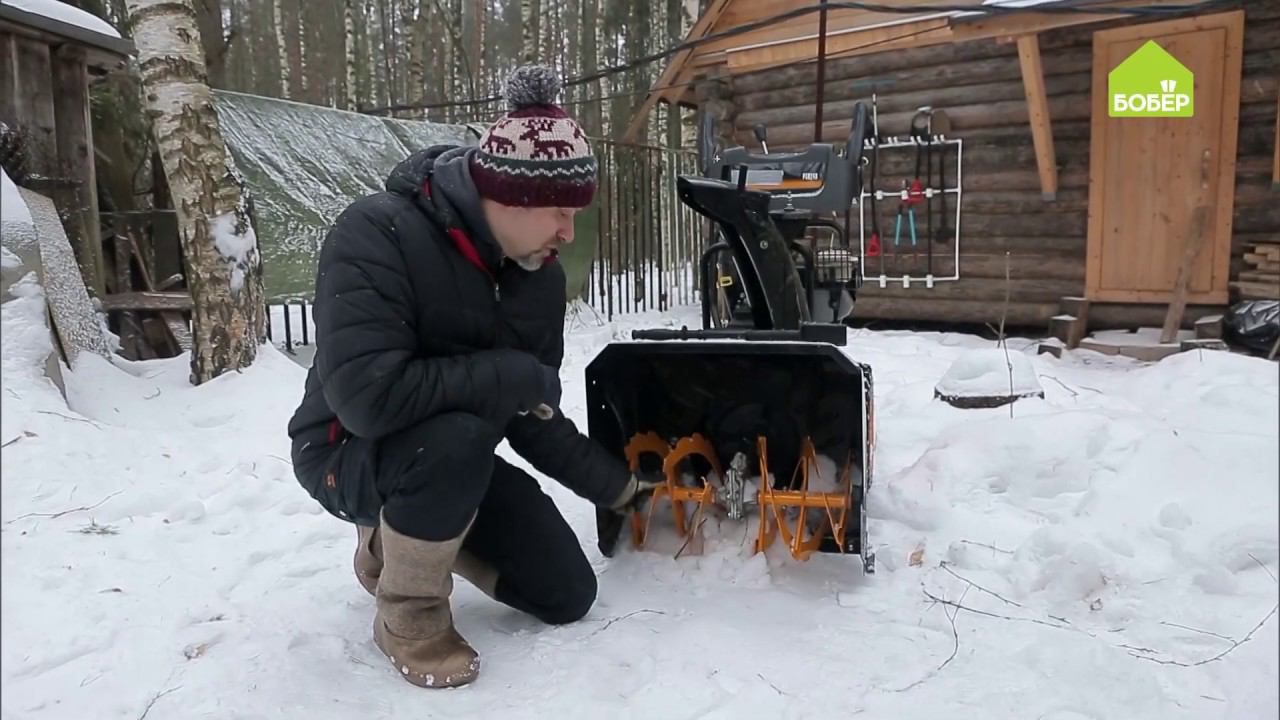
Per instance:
(1150,83)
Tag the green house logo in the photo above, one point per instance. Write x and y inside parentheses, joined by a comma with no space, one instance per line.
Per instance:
(1150,83)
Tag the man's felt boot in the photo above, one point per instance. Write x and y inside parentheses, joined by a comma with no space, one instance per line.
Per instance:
(414,624)
(368,559)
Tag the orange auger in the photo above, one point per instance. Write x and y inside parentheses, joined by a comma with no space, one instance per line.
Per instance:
(782,512)
(774,503)
(673,491)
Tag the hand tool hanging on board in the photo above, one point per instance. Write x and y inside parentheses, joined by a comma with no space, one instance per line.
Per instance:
(906,207)
(940,125)
(922,133)
(873,246)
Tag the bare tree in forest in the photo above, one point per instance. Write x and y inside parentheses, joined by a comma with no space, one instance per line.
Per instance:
(209,19)
(278,19)
(302,53)
(349,48)
(530,10)
(415,24)
(224,268)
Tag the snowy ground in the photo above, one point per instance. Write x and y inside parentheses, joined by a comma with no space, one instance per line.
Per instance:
(1115,544)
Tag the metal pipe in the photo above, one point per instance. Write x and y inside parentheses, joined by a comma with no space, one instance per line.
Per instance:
(822,71)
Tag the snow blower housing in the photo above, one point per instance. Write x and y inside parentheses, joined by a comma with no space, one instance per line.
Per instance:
(773,422)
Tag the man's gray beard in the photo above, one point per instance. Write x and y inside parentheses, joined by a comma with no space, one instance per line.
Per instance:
(530,263)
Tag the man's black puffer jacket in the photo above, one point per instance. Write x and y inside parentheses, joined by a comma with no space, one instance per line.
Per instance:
(409,327)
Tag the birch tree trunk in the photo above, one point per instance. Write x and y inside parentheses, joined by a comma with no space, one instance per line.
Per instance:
(416,27)
(529,12)
(349,45)
(302,55)
(224,268)
(477,56)
(278,19)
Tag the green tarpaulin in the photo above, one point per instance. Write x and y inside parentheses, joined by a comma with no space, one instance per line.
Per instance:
(304,163)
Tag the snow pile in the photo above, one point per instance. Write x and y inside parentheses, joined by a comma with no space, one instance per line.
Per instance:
(1113,548)
(989,373)
(236,243)
(13,209)
(67,13)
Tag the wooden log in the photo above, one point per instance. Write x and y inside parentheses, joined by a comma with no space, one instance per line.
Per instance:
(1257,290)
(1073,106)
(974,74)
(1027,266)
(899,163)
(1075,305)
(144,300)
(1048,245)
(1020,314)
(1257,218)
(1209,327)
(982,289)
(1026,202)
(1260,268)
(1260,277)
(888,105)
(1063,327)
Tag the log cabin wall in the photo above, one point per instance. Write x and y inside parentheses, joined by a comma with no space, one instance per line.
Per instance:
(980,86)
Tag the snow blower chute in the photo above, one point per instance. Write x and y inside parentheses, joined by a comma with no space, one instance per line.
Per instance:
(769,422)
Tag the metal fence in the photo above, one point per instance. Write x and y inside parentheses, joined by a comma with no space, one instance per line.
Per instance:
(649,242)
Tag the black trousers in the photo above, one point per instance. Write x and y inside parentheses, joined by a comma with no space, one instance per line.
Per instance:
(430,479)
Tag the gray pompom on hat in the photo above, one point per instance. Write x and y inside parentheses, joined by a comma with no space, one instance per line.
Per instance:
(532,85)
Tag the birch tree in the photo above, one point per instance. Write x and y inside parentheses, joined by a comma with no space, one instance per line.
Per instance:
(349,46)
(283,50)
(224,268)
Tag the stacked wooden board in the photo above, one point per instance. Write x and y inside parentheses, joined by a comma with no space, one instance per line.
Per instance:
(1260,278)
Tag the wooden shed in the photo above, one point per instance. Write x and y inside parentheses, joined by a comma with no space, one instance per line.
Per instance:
(49,51)
(1085,204)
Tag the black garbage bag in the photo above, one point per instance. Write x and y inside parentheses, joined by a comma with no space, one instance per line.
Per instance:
(1254,324)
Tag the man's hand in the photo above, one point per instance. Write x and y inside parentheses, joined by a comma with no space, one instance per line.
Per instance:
(551,390)
(639,486)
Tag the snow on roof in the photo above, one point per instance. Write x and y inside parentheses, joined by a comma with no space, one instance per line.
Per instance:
(13,209)
(1003,3)
(62,12)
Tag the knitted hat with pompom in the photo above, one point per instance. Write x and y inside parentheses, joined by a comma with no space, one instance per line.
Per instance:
(535,155)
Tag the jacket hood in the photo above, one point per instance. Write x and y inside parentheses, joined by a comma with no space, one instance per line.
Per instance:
(453,201)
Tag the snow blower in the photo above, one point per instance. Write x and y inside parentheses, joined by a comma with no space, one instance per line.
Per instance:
(768,421)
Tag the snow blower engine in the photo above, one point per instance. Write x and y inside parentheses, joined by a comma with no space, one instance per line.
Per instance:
(770,425)
(810,191)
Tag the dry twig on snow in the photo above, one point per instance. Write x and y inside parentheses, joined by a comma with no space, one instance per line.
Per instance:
(973,584)
(624,617)
(1234,644)
(64,512)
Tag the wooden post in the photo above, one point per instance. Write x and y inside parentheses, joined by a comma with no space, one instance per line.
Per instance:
(76,166)
(8,79)
(1275,169)
(33,103)
(1191,248)
(1038,112)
